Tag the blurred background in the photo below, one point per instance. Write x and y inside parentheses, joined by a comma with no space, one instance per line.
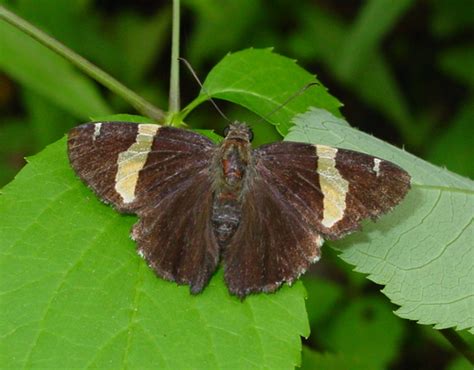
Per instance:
(403,70)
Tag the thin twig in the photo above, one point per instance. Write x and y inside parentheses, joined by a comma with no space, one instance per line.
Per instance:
(459,343)
(174,99)
(140,104)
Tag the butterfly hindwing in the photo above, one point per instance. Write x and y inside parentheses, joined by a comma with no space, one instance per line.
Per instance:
(175,235)
(271,245)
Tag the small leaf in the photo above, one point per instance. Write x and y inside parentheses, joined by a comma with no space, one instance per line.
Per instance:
(367,332)
(47,121)
(315,360)
(453,148)
(458,63)
(75,294)
(207,40)
(140,40)
(376,18)
(319,38)
(263,81)
(48,74)
(121,118)
(422,251)
(322,297)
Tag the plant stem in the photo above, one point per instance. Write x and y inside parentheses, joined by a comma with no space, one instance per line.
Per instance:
(174,103)
(140,104)
(458,342)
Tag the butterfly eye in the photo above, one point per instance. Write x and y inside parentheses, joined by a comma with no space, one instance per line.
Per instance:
(250,134)
(226,131)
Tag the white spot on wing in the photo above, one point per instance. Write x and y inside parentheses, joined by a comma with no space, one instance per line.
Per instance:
(97,128)
(141,254)
(376,167)
(333,186)
(131,161)
(318,241)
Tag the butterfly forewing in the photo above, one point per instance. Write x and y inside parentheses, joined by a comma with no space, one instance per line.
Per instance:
(122,161)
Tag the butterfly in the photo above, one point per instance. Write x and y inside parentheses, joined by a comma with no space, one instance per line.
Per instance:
(263,213)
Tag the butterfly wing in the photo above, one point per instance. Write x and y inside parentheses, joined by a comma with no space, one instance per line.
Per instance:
(175,235)
(133,165)
(300,194)
(162,175)
(332,189)
(271,245)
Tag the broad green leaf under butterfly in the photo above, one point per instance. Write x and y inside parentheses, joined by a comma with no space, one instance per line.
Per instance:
(88,300)
(422,251)
(263,81)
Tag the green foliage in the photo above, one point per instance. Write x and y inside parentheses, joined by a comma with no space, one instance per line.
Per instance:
(48,74)
(316,360)
(457,141)
(212,19)
(74,292)
(322,298)
(375,19)
(262,81)
(88,300)
(422,251)
(373,82)
(366,332)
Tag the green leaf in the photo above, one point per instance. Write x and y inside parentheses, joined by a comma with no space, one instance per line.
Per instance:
(376,18)
(367,332)
(76,295)
(363,335)
(16,141)
(319,37)
(47,121)
(460,363)
(140,41)
(122,117)
(207,40)
(458,63)
(451,16)
(422,251)
(315,360)
(453,148)
(322,297)
(48,74)
(263,81)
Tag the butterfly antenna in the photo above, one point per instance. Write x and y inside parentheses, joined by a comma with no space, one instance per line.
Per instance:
(293,96)
(188,65)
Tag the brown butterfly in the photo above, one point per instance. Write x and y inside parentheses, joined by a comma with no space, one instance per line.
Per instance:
(264,212)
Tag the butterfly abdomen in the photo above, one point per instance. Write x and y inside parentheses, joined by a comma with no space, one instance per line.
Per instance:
(226,214)
(232,163)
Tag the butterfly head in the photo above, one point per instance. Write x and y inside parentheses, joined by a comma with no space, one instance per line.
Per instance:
(238,131)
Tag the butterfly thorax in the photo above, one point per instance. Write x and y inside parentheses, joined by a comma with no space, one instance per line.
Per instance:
(232,161)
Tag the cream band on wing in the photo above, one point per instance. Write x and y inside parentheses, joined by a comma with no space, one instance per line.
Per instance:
(131,161)
(333,186)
